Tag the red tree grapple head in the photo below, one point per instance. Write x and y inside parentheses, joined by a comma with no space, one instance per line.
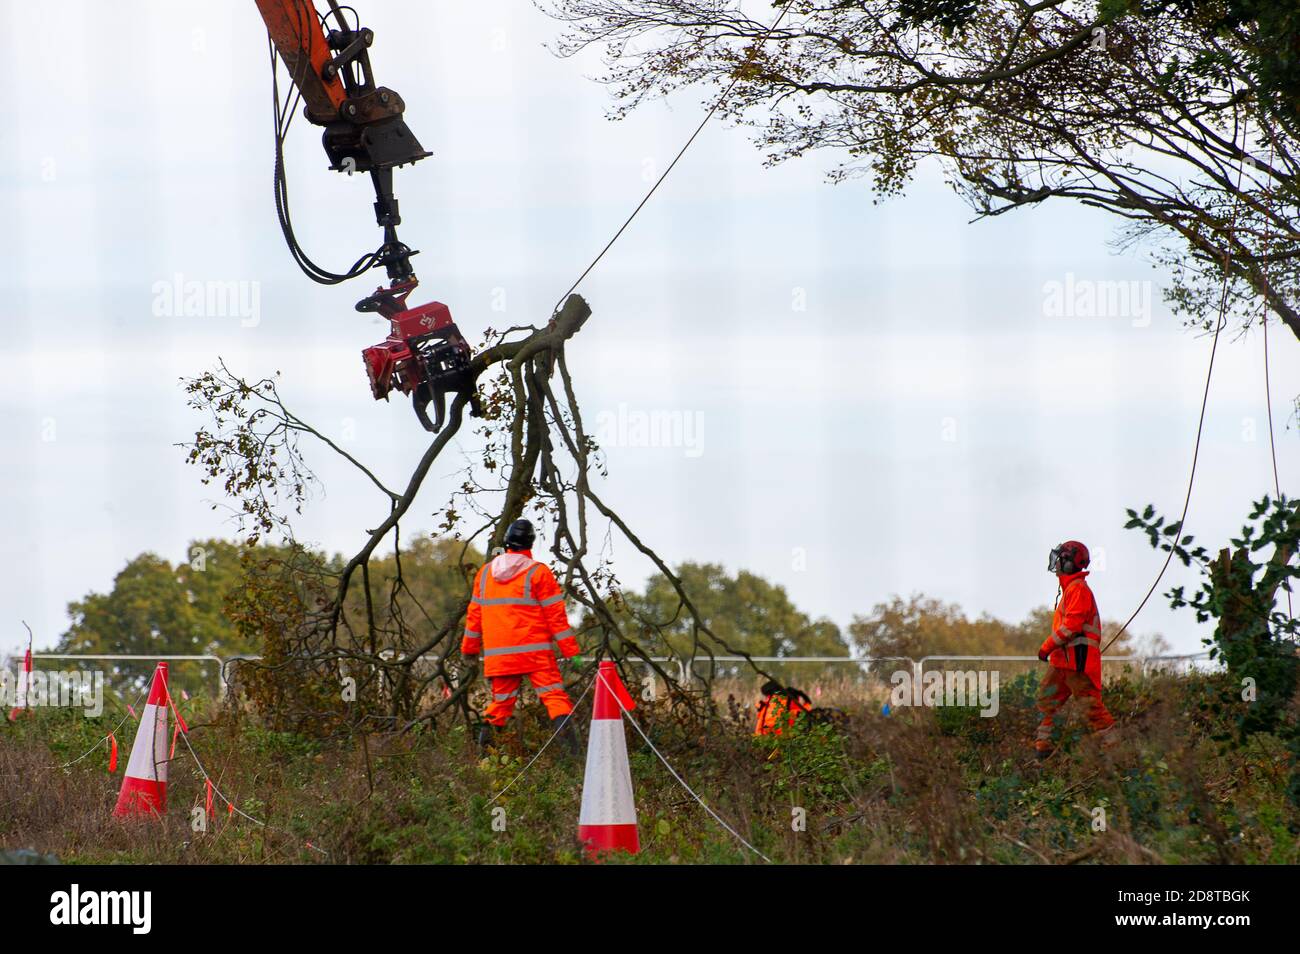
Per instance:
(424,354)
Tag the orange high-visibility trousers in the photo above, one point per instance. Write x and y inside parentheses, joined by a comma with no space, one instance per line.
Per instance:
(1057,687)
(546,682)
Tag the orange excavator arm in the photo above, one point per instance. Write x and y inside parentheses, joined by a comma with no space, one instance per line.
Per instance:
(328,60)
(299,38)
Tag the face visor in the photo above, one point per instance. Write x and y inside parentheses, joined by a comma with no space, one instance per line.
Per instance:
(1054,560)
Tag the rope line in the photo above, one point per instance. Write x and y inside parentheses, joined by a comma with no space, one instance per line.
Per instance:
(680,781)
(681,152)
(1268,402)
(185,736)
(1187,500)
(1200,423)
(112,732)
(1272,445)
(539,752)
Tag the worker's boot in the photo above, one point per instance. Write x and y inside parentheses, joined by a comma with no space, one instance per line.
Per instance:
(1042,751)
(565,735)
(486,736)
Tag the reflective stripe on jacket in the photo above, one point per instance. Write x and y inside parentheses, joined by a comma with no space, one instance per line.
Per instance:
(517,623)
(1075,640)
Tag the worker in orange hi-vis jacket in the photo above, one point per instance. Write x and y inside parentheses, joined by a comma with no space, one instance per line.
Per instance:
(1073,649)
(780,707)
(517,621)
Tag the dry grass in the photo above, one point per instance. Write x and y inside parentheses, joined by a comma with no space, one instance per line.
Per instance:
(919,786)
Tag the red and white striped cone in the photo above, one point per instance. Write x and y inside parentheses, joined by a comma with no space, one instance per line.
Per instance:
(144,789)
(607,821)
(21,705)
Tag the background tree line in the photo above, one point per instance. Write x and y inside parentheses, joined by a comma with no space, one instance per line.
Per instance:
(193,607)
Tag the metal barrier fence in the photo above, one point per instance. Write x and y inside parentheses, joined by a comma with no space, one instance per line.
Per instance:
(848,681)
(721,666)
(865,664)
(202,659)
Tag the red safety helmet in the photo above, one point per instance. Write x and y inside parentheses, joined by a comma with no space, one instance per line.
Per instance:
(1068,557)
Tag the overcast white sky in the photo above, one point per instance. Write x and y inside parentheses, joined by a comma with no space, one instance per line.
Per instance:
(883,405)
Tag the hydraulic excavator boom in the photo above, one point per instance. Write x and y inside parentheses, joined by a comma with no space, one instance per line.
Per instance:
(328,61)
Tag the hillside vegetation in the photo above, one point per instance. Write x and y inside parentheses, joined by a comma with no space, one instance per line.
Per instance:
(919,785)
(1206,766)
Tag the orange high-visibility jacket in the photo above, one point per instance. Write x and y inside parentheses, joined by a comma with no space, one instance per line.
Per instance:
(778,710)
(1075,642)
(516,616)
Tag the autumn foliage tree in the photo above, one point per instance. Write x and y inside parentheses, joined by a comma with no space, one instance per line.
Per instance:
(1179,117)
(919,626)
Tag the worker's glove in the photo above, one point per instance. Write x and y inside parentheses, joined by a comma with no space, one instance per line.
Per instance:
(1042,655)
(576,661)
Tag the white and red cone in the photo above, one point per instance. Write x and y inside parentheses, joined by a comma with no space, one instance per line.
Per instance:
(144,789)
(21,704)
(607,821)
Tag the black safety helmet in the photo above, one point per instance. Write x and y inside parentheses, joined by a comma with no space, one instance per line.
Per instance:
(520,535)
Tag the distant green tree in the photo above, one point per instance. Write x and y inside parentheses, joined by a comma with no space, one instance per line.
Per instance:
(745,611)
(156,608)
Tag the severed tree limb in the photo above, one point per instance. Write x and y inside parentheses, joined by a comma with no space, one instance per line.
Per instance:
(254,449)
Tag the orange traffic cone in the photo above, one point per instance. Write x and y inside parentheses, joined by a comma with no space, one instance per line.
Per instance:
(144,789)
(21,704)
(607,821)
